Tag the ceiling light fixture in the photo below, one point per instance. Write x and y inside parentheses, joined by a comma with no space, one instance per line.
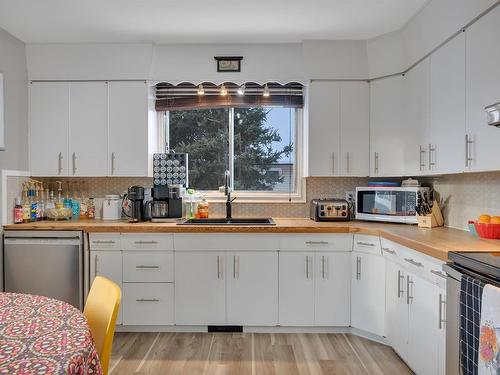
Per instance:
(241,89)
(201,90)
(266,92)
(223,90)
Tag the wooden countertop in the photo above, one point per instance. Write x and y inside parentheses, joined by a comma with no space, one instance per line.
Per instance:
(436,242)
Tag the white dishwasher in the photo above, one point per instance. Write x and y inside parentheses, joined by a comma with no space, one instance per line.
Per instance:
(46,263)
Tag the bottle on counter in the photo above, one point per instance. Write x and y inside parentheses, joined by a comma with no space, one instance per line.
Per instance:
(83,201)
(75,201)
(18,211)
(26,205)
(203,209)
(33,202)
(67,203)
(40,205)
(91,209)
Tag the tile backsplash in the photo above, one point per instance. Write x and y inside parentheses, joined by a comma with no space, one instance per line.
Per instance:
(464,195)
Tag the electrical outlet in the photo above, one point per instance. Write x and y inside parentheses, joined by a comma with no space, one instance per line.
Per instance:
(349,196)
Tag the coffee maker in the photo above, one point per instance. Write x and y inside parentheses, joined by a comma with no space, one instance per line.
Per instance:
(133,204)
(166,204)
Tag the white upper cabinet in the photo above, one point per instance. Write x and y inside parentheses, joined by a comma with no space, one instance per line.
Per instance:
(416,118)
(386,128)
(324,127)
(88,112)
(128,129)
(445,149)
(49,128)
(355,129)
(339,122)
(483,89)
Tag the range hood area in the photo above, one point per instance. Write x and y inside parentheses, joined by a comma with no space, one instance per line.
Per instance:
(493,114)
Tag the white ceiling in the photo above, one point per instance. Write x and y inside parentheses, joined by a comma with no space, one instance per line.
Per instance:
(202,21)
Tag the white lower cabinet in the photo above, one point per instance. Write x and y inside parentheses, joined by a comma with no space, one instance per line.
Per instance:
(314,288)
(107,263)
(252,288)
(368,292)
(200,297)
(148,304)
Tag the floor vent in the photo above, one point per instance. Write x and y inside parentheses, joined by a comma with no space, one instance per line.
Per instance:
(225,328)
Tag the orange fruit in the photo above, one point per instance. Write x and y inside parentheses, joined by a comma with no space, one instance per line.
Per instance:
(485,219)
(495,220)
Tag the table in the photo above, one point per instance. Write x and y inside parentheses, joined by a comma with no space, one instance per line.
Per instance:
(40,335)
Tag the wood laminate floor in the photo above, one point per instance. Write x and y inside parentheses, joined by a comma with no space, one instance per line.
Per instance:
(251,354)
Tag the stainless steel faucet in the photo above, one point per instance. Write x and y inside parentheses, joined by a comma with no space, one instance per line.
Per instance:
(227,193)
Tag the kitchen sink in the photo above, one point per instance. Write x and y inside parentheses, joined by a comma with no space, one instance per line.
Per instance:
(233,221)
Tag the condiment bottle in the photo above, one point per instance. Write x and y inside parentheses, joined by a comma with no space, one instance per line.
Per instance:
(18,211)
(91,209)
(203,209)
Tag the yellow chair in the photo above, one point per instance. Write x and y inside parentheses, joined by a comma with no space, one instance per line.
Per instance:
(101,310)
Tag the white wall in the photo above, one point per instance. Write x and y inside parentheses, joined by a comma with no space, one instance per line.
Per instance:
(437,21)
(13,67)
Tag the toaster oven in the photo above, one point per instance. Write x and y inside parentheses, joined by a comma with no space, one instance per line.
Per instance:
(329,210)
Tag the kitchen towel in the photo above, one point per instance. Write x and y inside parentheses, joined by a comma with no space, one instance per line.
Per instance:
(471,291)
(489,339)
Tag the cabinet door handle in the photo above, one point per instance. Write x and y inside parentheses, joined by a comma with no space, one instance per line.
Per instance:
(96,272)
(401,277)
(145,242)
(387,250)
(468,157)
(333,162)
(442,306)
(431,150)
(236,267)
(218,266)
(317,242)
(409,295)
(348,162)
(358,268)
(74,163)
(375,163)
(365,243)
(147,300)
(422,158)
(147,267)
(323,266)
(112,163)
(59,161)
(439,273)
(103,242)
(307,267)
(411,261)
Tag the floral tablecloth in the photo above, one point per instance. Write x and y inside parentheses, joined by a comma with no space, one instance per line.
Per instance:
(40,335)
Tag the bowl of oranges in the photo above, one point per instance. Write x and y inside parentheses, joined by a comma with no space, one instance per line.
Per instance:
(488,226)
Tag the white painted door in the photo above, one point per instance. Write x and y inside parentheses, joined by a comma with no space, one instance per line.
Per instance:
(483,89)
(107,264)
(252,288)
(332,289)
(324,126)
(88,128)
(200,288)
(447,109)
(423,325)
(296,288)
(386,131)
(368,293)
(49,128)
(416,119)
(396,315)
(354,129)
(128,129)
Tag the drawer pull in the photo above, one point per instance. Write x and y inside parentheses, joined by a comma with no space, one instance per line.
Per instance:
(147,267)
(439,273)
(365,243)
(146,242)
(411,261)
(387,250)
(317,242)
(147,300)
(103,242)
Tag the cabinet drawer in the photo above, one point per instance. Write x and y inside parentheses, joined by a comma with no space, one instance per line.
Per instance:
(148,266)
(326,242)
(146,241)
(226,242)
(367,244)
(105,241)
(148,304)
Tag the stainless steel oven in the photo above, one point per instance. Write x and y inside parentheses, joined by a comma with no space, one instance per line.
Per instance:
(390,204)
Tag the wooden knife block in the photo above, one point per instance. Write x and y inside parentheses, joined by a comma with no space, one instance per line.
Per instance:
(432,220)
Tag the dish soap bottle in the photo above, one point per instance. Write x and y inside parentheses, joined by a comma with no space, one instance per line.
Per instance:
(18,211)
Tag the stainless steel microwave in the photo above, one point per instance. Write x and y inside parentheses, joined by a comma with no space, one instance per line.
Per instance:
(390,204)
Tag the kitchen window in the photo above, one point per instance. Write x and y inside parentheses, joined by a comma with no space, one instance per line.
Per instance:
(260,146)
